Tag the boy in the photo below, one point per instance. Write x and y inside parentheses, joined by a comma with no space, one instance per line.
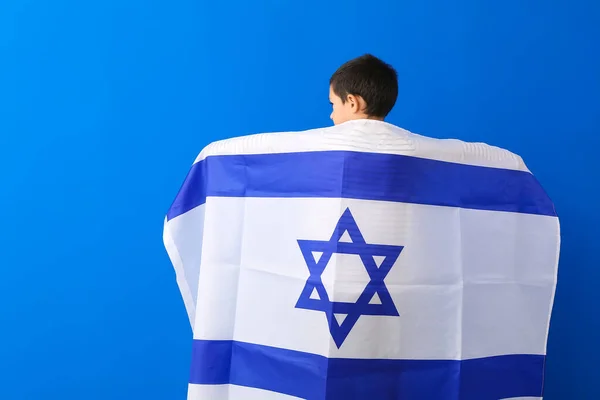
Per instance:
(362,261)
(363,88)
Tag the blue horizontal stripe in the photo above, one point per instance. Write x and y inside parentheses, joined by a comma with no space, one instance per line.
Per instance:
(368,176)
(314,377)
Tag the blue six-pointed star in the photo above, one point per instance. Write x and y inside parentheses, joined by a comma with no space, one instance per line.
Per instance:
(376,285)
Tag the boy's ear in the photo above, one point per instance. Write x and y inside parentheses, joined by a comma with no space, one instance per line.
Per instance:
(357,104)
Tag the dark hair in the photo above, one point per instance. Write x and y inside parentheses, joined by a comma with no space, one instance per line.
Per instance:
(370,78)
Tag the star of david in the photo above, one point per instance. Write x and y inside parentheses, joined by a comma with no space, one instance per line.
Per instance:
(376,286)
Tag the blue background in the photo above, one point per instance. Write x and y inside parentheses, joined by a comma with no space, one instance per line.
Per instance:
(104,105)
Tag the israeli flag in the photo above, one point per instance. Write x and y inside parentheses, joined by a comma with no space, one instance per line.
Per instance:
(362,261)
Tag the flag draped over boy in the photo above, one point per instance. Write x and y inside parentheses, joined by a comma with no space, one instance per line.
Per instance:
(362,261)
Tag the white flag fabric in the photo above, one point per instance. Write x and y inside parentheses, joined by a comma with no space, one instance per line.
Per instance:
(362,261)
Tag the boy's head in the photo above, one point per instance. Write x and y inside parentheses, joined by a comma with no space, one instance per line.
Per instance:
(362,88)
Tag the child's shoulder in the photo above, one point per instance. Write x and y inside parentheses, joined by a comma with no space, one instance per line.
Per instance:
(266,142)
